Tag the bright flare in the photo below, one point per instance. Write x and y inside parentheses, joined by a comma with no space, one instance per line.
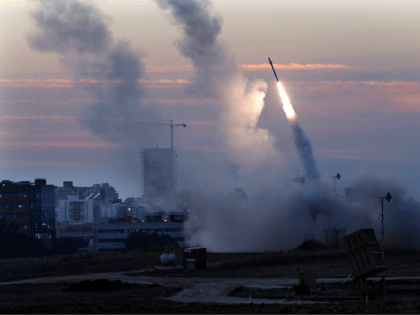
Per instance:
(287,106)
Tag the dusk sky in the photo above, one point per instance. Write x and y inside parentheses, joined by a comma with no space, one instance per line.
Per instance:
(351,70)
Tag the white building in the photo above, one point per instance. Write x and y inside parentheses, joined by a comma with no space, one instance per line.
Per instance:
(109,210)
(112,236)
(75,210)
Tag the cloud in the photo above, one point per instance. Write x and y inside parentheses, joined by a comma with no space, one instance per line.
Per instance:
(62,144)
(183,102)
(49,83)
(39,117)
(255,67)
(66,83)
(238,101)
(295,66)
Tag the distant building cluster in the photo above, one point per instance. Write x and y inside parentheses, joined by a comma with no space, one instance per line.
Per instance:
(47,211)
(81,205)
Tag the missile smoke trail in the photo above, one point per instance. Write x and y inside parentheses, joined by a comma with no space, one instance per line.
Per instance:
(302,143)
(304,148)
(239,101)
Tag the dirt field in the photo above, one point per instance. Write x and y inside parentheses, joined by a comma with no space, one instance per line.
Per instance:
(51,298)
(403,297)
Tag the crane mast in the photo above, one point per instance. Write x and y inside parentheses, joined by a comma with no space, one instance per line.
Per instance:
(170,125)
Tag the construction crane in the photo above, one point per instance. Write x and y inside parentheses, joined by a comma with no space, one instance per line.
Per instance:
(172,125)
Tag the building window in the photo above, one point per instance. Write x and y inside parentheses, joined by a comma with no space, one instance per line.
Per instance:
(13,205)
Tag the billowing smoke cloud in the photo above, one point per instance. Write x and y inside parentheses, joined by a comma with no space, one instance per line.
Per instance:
(111,70)
(77,31)
(402,213)
(304,148)
(281,217)
(211,61)
(277,216)
(216,75)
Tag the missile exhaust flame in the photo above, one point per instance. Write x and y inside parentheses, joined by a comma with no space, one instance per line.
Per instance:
(302,143)
(287,106)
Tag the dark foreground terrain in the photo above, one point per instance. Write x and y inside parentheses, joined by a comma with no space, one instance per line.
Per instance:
(55,298)
(103,296)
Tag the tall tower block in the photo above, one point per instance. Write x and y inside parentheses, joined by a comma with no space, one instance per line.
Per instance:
(158,172)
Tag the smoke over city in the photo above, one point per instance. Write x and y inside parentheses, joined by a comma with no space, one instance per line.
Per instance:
(240,101)
(79,34)
(280,218)
(276,214)
(110,71)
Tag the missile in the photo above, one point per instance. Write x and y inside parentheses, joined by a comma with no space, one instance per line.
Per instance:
(273,69)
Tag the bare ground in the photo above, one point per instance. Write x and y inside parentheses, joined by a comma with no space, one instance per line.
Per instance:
(50,298)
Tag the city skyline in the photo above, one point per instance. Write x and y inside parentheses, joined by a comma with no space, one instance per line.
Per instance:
(350,70)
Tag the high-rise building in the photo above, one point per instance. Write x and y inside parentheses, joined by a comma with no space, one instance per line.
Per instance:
(158,171)
(29,205)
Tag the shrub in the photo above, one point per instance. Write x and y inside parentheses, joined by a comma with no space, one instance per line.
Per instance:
(139,239)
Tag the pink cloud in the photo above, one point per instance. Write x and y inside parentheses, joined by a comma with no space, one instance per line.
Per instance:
(295,66)
(329,95)
(62,144)
(64,83)
(37,83)
(39,117)
(253,67)
(164,81)
(183,101)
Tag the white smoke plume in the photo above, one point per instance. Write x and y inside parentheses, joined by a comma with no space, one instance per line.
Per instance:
(302,143)
(280,218)
(278,215)
(304,149)
(216,75)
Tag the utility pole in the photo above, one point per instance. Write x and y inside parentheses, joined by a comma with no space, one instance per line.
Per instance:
(338,176)
(388,197)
